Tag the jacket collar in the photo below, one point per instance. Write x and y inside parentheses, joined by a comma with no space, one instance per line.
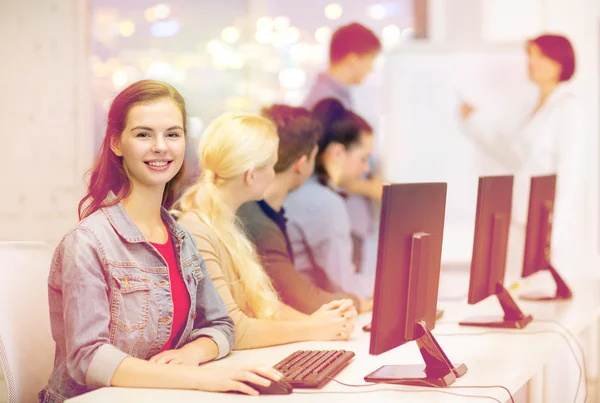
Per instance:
(126,228)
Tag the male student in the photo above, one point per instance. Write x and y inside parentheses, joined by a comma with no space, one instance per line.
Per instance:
(352,52)
(265,220)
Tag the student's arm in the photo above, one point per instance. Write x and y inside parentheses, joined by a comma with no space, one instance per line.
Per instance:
(80,307)
(327,233)
(293,288)
(331,310)
(137,373)
(252,332)
(212,318)
(499,146)
(196,352)
(371,188)
(290,314)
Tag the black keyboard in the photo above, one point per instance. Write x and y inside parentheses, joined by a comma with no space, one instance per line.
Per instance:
(312,368)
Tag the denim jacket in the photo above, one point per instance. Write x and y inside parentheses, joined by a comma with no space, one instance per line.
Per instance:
(110,298)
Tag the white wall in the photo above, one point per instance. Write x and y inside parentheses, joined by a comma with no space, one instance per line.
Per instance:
(44,114)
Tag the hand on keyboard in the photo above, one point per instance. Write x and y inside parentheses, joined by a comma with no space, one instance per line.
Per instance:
(335,320)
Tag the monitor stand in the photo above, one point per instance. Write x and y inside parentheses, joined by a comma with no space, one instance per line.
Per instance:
(563,292)
(438,371)
(438,314)
(514,318)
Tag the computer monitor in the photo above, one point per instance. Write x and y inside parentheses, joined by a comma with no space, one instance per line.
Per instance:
(537,254)
(406,283)
(488,263)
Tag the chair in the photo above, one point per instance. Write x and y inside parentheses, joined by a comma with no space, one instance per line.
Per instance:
(26,344)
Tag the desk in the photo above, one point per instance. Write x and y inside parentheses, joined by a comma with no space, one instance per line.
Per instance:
(510,360)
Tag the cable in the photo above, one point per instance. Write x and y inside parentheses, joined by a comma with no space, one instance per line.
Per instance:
(534,332)
(584,364)
(476,387)
(437,324)
(527,333)
(399,390)
(427,384)
(432,385)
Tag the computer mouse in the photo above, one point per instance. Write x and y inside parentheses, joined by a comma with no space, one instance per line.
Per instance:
(276,388)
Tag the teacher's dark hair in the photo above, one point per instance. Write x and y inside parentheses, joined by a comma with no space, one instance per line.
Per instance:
(559,49)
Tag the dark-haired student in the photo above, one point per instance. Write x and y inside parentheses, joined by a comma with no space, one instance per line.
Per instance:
(352,52)
(319,221)
(265,220)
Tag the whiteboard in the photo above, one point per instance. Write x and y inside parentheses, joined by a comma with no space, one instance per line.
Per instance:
(422,139)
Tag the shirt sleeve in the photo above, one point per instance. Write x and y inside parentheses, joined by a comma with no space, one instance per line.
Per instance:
(292,287)
(499,146)
(80,308)
(326,232)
